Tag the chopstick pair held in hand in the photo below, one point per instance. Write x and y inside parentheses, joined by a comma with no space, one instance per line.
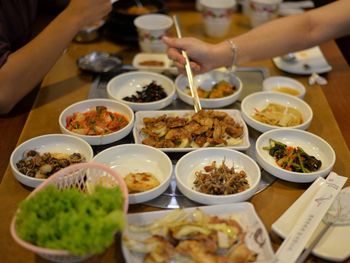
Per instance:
(194,94)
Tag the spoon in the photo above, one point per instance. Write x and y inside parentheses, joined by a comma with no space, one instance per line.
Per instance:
(290,58)
(337,215)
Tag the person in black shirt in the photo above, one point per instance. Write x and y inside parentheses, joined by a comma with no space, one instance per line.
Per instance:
(24,62)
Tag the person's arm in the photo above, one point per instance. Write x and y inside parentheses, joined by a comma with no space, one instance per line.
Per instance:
(277,37)
(25,68)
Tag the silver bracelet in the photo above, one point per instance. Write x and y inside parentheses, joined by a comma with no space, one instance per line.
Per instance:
(234,49)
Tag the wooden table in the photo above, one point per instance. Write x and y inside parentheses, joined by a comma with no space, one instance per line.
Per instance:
(64,85)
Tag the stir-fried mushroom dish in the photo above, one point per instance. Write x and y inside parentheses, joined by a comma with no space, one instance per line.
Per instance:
(41,166)
(191,237)
(202,129)
(220,180)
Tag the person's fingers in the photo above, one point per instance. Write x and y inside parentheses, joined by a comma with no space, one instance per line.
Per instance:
(196,69)
(180,67)
(175,55)
(172,42)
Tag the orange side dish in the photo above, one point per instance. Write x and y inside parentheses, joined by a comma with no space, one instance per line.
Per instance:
(98,121)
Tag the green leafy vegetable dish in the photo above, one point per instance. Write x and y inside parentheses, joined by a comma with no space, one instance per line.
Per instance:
(293,159)
(71,220)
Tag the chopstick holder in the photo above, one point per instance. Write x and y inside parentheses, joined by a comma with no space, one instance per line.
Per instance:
(194,94)
(297,239)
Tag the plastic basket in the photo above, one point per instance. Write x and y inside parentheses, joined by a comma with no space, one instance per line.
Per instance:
(77,176)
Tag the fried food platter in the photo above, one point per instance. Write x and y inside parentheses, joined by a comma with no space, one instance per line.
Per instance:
(241,142)
(256,237)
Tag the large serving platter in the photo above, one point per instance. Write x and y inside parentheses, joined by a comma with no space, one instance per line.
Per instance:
(139,136)
(257,238)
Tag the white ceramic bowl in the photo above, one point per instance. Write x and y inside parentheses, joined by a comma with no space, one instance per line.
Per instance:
(87,105)
(187,166)
(53,143)
(127,84)
(206,81)
(285,85)
(259,100)
(133,158)
(311,144)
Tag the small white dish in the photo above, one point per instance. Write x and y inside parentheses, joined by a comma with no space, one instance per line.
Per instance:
(206,81)
(260,100)
(313,57)
(310,143)
(87,105)
(243,212)
(129,83)
(333,246)
(156,62)
(132,158)
(52,143)
(284,85)
(189,164)
(139,124)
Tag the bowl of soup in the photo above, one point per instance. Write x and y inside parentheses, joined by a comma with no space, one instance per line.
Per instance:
(284,85)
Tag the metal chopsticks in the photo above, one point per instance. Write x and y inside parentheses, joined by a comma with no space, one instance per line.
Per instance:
(194,94)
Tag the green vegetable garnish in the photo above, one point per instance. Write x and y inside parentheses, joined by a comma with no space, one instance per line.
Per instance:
(292,158)
(70,220)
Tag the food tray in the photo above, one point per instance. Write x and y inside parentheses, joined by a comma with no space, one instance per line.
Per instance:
(251,77)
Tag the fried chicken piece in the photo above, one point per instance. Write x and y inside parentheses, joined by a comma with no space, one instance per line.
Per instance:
(196,251)
(220,115)
(200,140)
(217,141)
(162,251)
(158,143)
(179,136)
(158,129)
(150,121)
(218,129)
(203,119)
(234,131)
(242,254)
(194,128)
(175,122)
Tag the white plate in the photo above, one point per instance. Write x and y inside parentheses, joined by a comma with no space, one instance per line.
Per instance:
(235,114)
(243,212)
(335,243)
(131,158)
(167,63)
(189,164)
(312,57)
(312,145)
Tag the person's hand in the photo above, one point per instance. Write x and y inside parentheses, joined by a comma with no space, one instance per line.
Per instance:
(203,56)
(88,12)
